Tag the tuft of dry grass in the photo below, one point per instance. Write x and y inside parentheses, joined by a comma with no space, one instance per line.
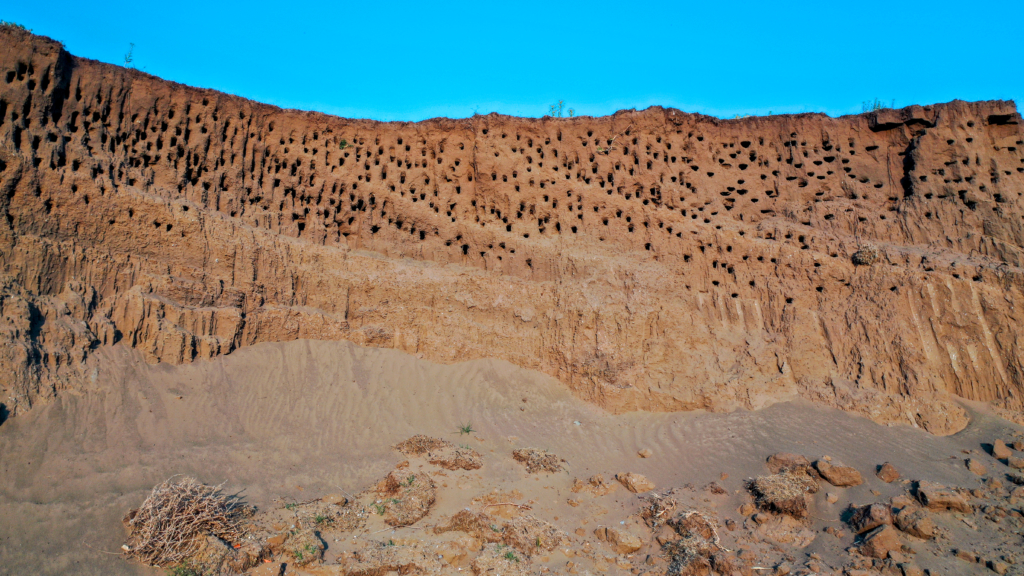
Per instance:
(441,453)
(173,522)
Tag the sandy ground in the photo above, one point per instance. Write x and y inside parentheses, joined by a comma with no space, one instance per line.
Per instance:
(297,420)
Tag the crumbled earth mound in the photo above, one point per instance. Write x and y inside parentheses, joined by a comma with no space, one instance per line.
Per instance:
(420,444)
(404,497)
(595,485)
(337,513)
(188,223)
(380,558)
(304,547)
(499,559)
(530,535)
(477,524)
(524,533)
(441,452)
(538,460)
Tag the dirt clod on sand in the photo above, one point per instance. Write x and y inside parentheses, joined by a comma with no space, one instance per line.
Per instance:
(787,462)
(867,518)
(635,483)
(785,493)
(887,473)
(842,476)
(939,498)
(538,460)
(173,523)
(441,453)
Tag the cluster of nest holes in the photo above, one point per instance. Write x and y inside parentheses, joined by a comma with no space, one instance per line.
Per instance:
(333,182)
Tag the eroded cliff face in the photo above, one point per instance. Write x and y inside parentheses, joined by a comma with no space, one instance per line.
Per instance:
(650,260)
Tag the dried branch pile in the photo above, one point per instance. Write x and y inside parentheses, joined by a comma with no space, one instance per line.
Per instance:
(172,524)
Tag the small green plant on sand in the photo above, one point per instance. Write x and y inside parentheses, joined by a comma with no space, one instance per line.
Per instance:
(466,428)
(291,506)
(408,481)
(380,508)
(343,144)
(511,556)
(321,519)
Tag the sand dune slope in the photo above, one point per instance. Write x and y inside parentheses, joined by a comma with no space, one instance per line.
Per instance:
(297,420)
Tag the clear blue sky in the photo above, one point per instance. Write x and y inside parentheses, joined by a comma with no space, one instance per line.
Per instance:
(415,60)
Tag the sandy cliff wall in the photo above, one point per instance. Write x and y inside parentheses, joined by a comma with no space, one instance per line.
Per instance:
(651,260)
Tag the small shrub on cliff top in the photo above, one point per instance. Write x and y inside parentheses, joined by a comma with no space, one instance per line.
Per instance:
(15,25)
(555,110)
(871,106)
(128,57)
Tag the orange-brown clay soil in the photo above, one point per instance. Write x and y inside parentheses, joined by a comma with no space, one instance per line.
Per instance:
(651,260)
